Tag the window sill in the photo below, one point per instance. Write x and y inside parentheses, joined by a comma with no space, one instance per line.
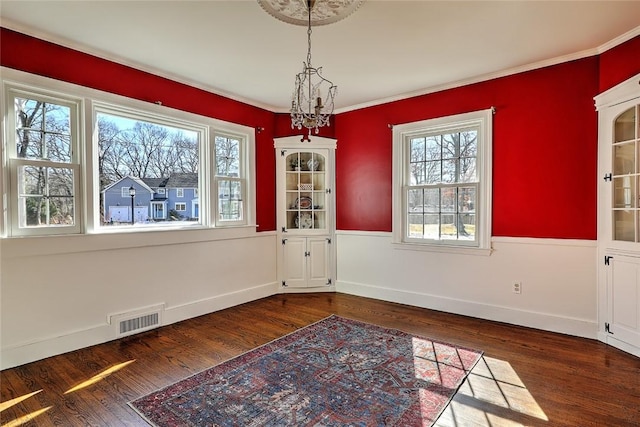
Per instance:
(460,250)
(14,247)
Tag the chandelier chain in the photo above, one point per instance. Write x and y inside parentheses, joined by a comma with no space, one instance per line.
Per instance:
(308,108)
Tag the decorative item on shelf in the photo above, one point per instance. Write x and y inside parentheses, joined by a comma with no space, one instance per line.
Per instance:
(305,187)
(303,203)
(313,164)
(295,164)
(304,220)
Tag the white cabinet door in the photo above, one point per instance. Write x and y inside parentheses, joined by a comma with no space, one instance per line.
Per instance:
(318,261)
(294,262)
(306,262)
(623,300)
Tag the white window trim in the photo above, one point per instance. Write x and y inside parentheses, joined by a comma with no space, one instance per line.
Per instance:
(180,193)
(484,120)
(10,221)
(242,179)
(180,210)
(88,211)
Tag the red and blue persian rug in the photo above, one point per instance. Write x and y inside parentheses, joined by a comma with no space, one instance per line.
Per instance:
(336,372)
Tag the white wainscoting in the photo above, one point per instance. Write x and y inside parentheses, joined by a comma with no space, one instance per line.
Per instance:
(57,301)
(558,279)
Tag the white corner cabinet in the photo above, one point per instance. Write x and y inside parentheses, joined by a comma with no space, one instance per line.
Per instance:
(305,213)
(619,215)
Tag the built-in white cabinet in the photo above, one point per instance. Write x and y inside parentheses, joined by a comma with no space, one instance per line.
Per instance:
(306,262)
(619,215)
(305,213)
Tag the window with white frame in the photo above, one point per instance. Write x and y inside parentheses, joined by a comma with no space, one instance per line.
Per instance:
(442,181)
(49,166)
(229,179)
(43,162)
(144,150)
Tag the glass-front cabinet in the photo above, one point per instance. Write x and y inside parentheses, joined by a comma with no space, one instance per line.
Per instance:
(305,213)
(625,175)
(306,190)
(619,215)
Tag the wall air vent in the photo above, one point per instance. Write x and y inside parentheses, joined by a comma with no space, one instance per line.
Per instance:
(133,322)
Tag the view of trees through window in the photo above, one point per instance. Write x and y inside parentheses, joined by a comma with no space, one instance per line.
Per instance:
(44,172)
(442,189)
(155,161)
(136,167)
(228,178)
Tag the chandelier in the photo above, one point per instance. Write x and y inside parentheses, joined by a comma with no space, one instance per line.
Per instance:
(308,108)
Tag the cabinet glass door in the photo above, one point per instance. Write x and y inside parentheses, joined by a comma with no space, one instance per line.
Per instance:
(306,191)
(626,176)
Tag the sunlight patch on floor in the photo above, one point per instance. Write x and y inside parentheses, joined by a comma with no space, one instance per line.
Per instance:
(493,395)
(25,418)
(102,375)
(9,403)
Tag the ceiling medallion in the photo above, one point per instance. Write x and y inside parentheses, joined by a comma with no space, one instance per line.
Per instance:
(296,11)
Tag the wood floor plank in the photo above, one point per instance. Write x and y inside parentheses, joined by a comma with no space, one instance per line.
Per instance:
(528,377)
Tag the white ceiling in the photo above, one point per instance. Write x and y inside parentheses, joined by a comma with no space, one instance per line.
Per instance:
(385,50)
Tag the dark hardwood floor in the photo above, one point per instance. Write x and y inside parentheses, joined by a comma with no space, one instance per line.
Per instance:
(527,377)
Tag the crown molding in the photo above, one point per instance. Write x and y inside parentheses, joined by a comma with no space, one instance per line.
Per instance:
(30,31)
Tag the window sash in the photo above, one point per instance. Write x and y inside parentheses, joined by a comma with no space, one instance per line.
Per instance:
(230,207)
(465,223)
(17,200)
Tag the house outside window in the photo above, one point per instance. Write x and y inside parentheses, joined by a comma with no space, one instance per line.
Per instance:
(154,154)
(442,182)
(43,162)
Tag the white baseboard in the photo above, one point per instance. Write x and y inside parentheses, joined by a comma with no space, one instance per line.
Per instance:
(22,353)
(621,345)
(544,321)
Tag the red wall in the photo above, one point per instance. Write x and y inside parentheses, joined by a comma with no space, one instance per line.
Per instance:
(544,152)
(36,56)
(544,146)
(619,64)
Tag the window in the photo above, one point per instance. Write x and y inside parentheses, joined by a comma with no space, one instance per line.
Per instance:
(229,179)
(59,182)
(442,173)
(145,151)
(43,163)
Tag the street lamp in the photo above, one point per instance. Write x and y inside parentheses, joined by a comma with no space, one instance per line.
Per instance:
(132,193)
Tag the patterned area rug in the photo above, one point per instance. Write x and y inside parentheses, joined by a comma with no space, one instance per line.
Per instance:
(336,372)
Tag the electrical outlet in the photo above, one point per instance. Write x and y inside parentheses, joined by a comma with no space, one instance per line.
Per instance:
(517,287)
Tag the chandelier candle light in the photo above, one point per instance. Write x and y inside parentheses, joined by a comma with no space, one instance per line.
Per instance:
(308,109)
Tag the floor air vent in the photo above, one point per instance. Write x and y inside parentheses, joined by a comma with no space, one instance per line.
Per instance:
(134,325)
(136,321)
